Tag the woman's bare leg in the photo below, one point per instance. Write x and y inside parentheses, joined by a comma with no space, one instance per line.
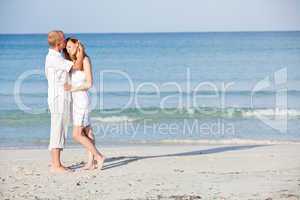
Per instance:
(80,137)
(91,160)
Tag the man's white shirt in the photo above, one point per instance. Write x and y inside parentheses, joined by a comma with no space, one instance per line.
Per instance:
(57,73)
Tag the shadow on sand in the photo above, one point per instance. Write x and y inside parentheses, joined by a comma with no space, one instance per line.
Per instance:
(124,160)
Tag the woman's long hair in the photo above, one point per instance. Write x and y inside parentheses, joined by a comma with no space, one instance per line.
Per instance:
(67,55)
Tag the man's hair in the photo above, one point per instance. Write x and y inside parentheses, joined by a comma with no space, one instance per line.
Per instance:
(54,37)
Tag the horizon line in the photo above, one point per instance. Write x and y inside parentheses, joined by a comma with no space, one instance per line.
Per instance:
(155,32)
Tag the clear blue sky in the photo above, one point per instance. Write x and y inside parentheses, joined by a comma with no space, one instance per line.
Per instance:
(40,16)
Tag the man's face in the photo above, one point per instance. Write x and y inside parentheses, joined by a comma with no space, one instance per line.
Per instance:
(62,43)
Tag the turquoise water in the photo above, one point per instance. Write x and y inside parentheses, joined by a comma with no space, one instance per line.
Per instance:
(121,114)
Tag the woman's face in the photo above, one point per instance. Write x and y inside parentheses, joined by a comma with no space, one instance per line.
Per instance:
(71,47)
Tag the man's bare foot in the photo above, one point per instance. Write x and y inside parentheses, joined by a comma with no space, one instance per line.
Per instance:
(59,169)
(100,161)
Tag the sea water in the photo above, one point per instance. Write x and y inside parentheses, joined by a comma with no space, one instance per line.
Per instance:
(162,88)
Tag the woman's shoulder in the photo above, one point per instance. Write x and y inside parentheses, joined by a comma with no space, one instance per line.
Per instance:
(86,62)
(86,58)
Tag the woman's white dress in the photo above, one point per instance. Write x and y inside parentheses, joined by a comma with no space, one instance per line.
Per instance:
(80,100)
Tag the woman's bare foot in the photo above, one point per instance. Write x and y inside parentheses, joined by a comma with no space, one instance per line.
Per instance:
(100,161)
(89,165)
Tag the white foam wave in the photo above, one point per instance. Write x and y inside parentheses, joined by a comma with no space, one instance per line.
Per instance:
(114,119)
(233,141)
(229,112)
(272,113)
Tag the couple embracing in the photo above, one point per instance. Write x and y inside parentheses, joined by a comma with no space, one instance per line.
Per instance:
(69,74)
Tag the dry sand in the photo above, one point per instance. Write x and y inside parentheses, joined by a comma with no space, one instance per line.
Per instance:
(158,172)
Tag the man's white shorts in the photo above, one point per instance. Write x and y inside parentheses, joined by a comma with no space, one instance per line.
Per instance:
(58,131)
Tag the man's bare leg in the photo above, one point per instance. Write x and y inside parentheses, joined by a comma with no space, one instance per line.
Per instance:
(56,165)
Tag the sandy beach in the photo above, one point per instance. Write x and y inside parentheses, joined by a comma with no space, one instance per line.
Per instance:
(158,172)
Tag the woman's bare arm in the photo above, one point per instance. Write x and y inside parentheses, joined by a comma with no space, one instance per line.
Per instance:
(87,67)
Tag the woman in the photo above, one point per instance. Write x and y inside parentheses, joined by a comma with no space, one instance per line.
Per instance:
(81,81)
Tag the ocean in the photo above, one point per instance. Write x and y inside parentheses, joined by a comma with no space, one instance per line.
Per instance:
(224,87)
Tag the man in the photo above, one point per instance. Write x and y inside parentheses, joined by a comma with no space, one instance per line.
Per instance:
(57,73)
